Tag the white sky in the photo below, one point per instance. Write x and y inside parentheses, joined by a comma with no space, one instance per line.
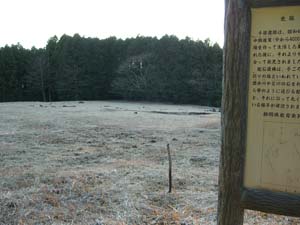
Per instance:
(33,22)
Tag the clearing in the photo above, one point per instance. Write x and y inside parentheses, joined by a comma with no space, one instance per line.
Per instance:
(105,162)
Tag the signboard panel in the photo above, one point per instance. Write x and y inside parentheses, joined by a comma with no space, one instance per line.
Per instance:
(273,123)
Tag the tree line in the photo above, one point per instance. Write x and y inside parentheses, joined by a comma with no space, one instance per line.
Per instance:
(141,68)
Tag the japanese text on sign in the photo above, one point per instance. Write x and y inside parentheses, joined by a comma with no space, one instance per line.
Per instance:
(273,128)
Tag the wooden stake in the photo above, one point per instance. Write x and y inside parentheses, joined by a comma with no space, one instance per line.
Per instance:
(170,168)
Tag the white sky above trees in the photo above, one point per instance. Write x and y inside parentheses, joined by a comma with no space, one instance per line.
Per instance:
(33,22)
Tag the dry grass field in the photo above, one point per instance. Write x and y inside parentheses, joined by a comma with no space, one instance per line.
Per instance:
(106,163)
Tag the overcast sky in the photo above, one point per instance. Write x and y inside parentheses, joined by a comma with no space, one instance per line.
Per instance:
(33,22)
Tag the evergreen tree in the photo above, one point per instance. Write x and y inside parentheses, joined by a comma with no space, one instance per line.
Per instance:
(141,68)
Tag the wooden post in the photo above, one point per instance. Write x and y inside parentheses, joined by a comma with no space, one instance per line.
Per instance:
(235,79)
(170,168)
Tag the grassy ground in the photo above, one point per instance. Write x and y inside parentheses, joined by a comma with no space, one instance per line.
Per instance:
(106,163)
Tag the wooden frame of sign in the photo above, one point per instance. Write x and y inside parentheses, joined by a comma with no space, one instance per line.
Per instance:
(234,195)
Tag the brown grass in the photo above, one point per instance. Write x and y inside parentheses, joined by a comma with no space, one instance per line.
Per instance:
(90,165)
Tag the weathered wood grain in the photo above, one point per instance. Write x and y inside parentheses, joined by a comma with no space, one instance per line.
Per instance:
(234,103)
(271,202)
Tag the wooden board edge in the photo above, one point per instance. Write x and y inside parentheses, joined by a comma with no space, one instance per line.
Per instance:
(271,202)
(272,3)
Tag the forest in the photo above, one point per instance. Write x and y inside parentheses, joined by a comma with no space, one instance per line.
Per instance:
(70,68)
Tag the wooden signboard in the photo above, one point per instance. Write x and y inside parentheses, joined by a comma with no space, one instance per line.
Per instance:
(260,156)
(273,122)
